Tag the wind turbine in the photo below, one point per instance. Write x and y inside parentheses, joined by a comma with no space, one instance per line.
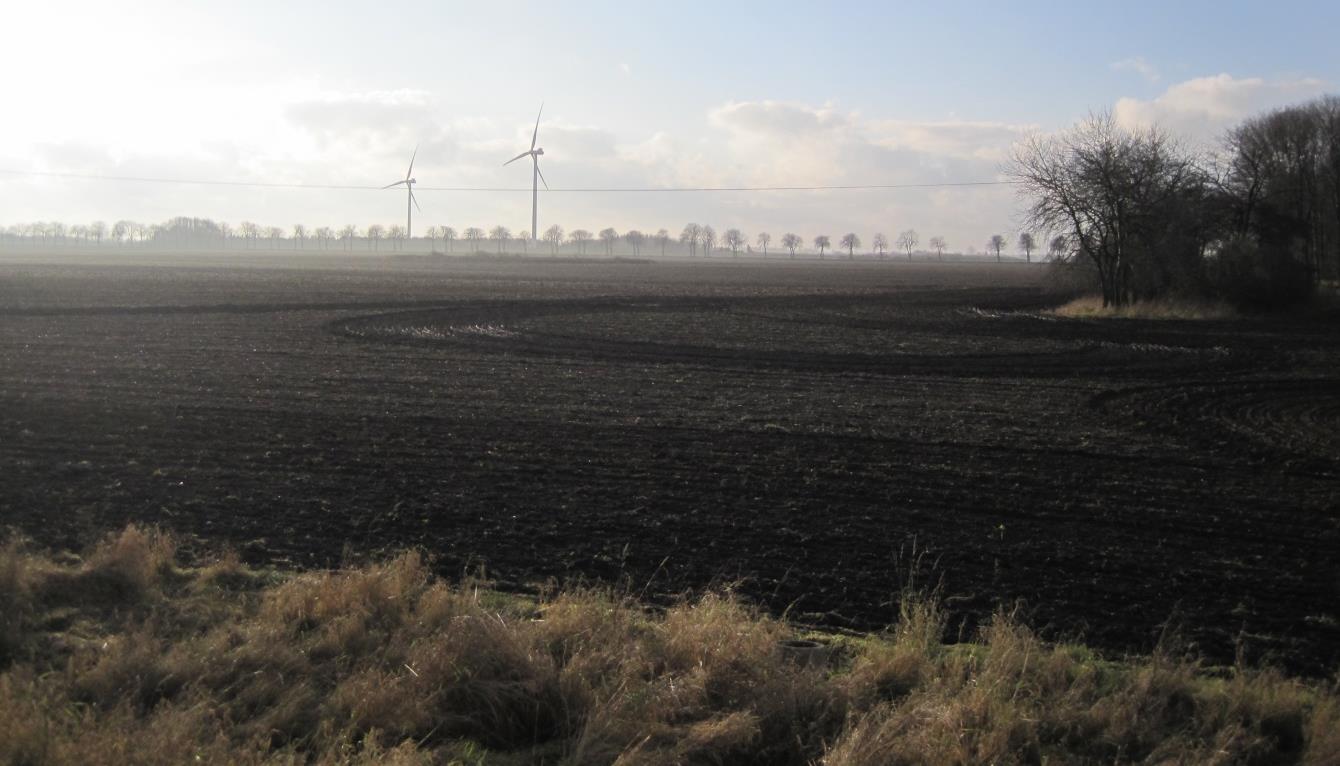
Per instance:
(409,185)
(536,178)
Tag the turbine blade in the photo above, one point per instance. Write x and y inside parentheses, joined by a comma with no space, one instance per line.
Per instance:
(514,159)
(541,175)
(536,134)
(397,183)
(415,200)
(410,172)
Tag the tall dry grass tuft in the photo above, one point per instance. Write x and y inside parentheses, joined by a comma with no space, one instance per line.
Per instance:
(386,663)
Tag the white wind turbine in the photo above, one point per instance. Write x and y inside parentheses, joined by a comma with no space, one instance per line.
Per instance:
(409,185)
(536,178)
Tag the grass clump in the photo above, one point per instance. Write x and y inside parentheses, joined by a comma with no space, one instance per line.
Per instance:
(1091,307)
(386,663)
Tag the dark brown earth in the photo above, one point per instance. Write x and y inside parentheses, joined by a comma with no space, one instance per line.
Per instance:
(819,433)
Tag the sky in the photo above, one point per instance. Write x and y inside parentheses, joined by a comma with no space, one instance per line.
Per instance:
(636,95)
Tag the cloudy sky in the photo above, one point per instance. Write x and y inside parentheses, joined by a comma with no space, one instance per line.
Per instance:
(637,94)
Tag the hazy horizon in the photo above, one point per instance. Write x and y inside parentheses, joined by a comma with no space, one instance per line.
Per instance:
(688,95)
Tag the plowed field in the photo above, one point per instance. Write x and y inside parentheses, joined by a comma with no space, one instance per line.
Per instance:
(819,434)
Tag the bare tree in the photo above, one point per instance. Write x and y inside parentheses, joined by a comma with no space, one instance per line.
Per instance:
(764,239)
(708,235)
(1027,244)
(474,235)
(324,234)
(580,237)
(397,236)
(734,239)
(432,233)
(689,236)
(851,242)
(500,235)
(608,236)
(374,234)
(523,237)
(1058,248)
(349,233)
(449,237)
(121,231)
(634,238)
(937,244)
(791,242)
(823,243)
(299,235)
(554,236)
(997,243)
(250,231)
(662,237)
(881,243)
(1113,192)
(274,233)
(907,242)
(99,230)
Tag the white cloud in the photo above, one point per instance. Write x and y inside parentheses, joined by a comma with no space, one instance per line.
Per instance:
(1202,108)
(1138,65)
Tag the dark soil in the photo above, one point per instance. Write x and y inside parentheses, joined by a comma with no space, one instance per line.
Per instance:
(820,434)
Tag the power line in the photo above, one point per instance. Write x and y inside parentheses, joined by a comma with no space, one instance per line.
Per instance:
(569,190)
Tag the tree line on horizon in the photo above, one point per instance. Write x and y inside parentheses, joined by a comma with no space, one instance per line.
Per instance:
(693,239)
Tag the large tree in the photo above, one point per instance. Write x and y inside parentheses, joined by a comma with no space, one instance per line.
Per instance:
(1058,248)
(634,238)
(996,243)
(500,235)
(474,235)
(554,236)
(734,239)
(764,239)
(689,236)
(708,236)
(880,243)
(822,242)
(1027,244)
(851,242)
(1126,198)
(938,244)
(608,236)
(791,242)
(580,237)
(907,242)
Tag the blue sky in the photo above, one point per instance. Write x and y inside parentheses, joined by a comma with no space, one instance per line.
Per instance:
(637,94)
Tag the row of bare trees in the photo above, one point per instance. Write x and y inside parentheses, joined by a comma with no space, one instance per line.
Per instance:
(695,239)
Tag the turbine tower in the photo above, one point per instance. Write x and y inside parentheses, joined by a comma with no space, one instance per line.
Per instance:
(536,178)
(409,184)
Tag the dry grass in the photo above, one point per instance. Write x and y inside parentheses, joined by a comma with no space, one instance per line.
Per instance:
(124,656)
(1091,307)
